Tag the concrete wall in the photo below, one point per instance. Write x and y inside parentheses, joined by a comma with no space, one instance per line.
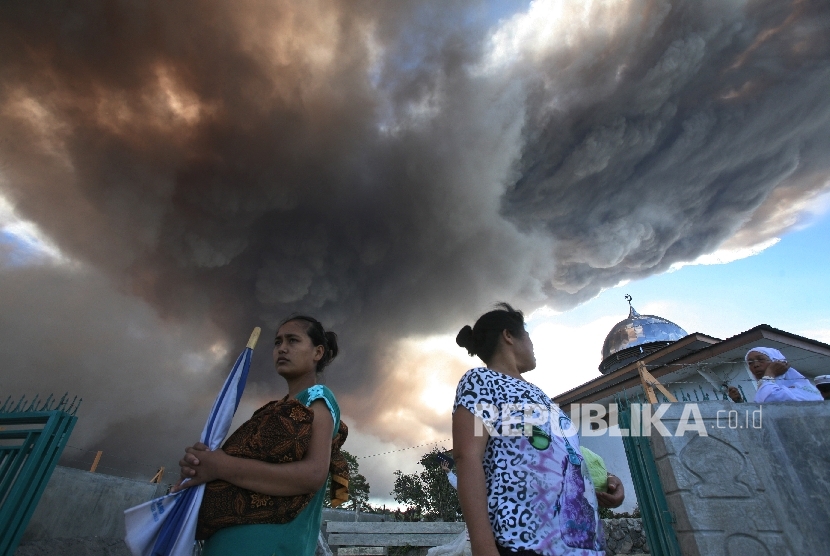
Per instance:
(747,488)
(82,514)
(331,514)
(79,504)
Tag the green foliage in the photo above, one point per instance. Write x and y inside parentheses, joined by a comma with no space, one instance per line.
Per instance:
(358,487)
(609,513)
(428,495)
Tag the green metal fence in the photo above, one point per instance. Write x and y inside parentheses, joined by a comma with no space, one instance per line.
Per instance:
(654,510)
(32,437)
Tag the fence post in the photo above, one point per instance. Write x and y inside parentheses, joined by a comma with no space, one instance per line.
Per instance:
(95,463)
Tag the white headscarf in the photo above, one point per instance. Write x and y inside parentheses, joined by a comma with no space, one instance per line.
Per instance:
(791,379)
(772,353)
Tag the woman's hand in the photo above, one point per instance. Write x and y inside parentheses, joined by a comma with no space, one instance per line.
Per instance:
(615,495)
(776,369)
(445,467)
(199,465)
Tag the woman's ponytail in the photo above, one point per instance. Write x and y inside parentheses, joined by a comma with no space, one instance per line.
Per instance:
(331,341)
(465,339)
(483,338)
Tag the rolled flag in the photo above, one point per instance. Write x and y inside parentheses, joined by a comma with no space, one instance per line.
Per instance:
(166,526)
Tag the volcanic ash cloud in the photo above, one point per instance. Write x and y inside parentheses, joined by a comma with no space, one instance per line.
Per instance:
(393,168)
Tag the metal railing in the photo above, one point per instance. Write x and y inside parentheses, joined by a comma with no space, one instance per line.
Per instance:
(33,435)
(657,520)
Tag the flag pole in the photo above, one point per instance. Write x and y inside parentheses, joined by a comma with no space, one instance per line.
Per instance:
(254,337)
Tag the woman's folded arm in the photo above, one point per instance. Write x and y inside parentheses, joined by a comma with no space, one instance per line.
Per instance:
(306,476)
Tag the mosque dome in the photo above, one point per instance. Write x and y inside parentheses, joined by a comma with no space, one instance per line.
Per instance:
(635,337)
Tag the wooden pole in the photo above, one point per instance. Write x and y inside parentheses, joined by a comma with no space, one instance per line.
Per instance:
(95,463)
(647,389)
(159,474)
(254,337)
(649,383)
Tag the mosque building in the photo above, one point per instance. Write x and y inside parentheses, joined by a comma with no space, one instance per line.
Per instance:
(694,367)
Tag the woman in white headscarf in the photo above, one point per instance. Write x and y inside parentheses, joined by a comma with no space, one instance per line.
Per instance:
(777,381)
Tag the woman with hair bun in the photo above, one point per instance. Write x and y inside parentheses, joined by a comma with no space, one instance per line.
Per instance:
(266,485)
(522,482)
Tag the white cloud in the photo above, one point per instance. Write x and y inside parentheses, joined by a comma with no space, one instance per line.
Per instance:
(820,334)
(567,356)
(550,25)
(726,255)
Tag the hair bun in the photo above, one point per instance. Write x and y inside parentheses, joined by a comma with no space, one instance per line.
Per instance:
(331,340)
(465,339)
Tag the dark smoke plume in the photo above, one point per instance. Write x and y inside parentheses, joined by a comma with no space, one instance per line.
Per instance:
(391,168)
(660,140)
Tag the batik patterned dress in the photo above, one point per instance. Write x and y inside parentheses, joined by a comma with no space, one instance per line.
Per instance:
(297,537)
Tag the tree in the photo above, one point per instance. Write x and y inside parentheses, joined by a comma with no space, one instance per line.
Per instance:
(608,513)
(428,495)
(358,487)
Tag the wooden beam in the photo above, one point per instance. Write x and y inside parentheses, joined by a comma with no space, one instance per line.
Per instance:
(157,477)
(650,383)
(95,463)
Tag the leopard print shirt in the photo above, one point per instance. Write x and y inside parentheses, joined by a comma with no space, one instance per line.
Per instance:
(537,496)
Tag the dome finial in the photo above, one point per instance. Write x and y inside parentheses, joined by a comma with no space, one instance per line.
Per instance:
(635,337)
(631,311)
